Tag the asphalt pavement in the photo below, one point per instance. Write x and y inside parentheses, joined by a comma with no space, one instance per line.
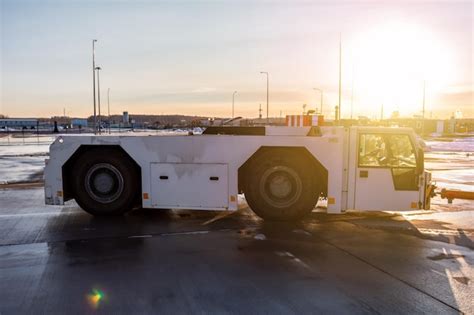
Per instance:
(56,260)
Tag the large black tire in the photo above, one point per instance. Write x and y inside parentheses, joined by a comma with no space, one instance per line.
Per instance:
(279,186)
(105,182)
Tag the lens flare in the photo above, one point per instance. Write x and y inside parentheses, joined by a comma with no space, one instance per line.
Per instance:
(94,298)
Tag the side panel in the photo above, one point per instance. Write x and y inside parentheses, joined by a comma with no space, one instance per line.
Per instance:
(385,171)
(178,185)
(375,191)
(234,151)
(329,150)
(230,150)
(345,170)
(352,168)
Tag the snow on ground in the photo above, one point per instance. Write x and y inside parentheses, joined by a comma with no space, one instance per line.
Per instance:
(451,162)
(22,159)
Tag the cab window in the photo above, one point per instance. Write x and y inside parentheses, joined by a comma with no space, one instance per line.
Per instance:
(402,151)
(379,150)
(372,150)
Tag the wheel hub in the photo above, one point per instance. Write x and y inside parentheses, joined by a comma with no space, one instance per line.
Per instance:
(104,183)
(280,186)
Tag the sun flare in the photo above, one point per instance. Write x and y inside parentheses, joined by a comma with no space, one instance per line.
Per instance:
(392,62)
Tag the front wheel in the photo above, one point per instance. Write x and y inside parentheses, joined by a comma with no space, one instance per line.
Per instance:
(279,187)
(105,182)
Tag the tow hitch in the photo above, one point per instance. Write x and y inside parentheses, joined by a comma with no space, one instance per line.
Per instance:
(452,194)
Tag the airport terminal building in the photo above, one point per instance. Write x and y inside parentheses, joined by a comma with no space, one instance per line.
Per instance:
(18,123)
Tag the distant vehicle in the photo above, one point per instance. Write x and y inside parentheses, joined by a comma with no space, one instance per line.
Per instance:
(282,171)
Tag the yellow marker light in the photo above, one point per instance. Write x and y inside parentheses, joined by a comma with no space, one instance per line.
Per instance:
(331,201)
(233,198)
(414,205)
(145,196)
(59,193)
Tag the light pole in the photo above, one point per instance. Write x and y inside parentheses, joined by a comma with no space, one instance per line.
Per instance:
(93,82)
(340,80)
(264,72)
(233,101)
(352,92)
(321,92)
(108,107)
(352,98)
(423,110)
(98,92)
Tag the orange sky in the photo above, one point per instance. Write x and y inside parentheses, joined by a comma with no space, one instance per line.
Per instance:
(188,58)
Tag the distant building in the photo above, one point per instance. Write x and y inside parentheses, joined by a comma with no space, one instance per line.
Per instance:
(79,122)
(125,118)
(436,126)
(18,123)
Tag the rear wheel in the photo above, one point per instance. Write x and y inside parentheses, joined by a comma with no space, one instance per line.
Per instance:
(279,186)
(105,182)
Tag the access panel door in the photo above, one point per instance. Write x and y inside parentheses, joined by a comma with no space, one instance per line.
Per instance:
(196,186)
(386,176)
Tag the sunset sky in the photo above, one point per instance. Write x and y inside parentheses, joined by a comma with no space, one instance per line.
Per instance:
(187,57)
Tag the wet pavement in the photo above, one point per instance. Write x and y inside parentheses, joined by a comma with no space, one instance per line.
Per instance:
(62,260)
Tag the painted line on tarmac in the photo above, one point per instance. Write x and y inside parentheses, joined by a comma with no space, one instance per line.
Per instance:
(33,214)
(185,233)
(124,237)
(141,236)
(444,232)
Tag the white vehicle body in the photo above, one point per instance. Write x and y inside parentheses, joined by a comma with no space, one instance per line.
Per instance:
(202,171)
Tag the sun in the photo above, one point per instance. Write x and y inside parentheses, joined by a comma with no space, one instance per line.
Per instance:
(392,62)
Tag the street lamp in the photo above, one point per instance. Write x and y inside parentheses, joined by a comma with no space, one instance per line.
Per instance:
(321,92)
(338,112)
(233,101)
(93,82)
(264,72)
(423,110)
(108,107)
(98,92)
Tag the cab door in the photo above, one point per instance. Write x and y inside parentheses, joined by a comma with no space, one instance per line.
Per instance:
(386,174)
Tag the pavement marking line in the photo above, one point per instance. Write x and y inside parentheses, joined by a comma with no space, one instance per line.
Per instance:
(222,216)
(185,233)
(293,258)
(32,214)
(439,273)
(443,232)
(391,275)
(116,237)
(140,236)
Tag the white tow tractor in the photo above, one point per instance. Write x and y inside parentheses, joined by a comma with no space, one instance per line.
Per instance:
(282,171)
